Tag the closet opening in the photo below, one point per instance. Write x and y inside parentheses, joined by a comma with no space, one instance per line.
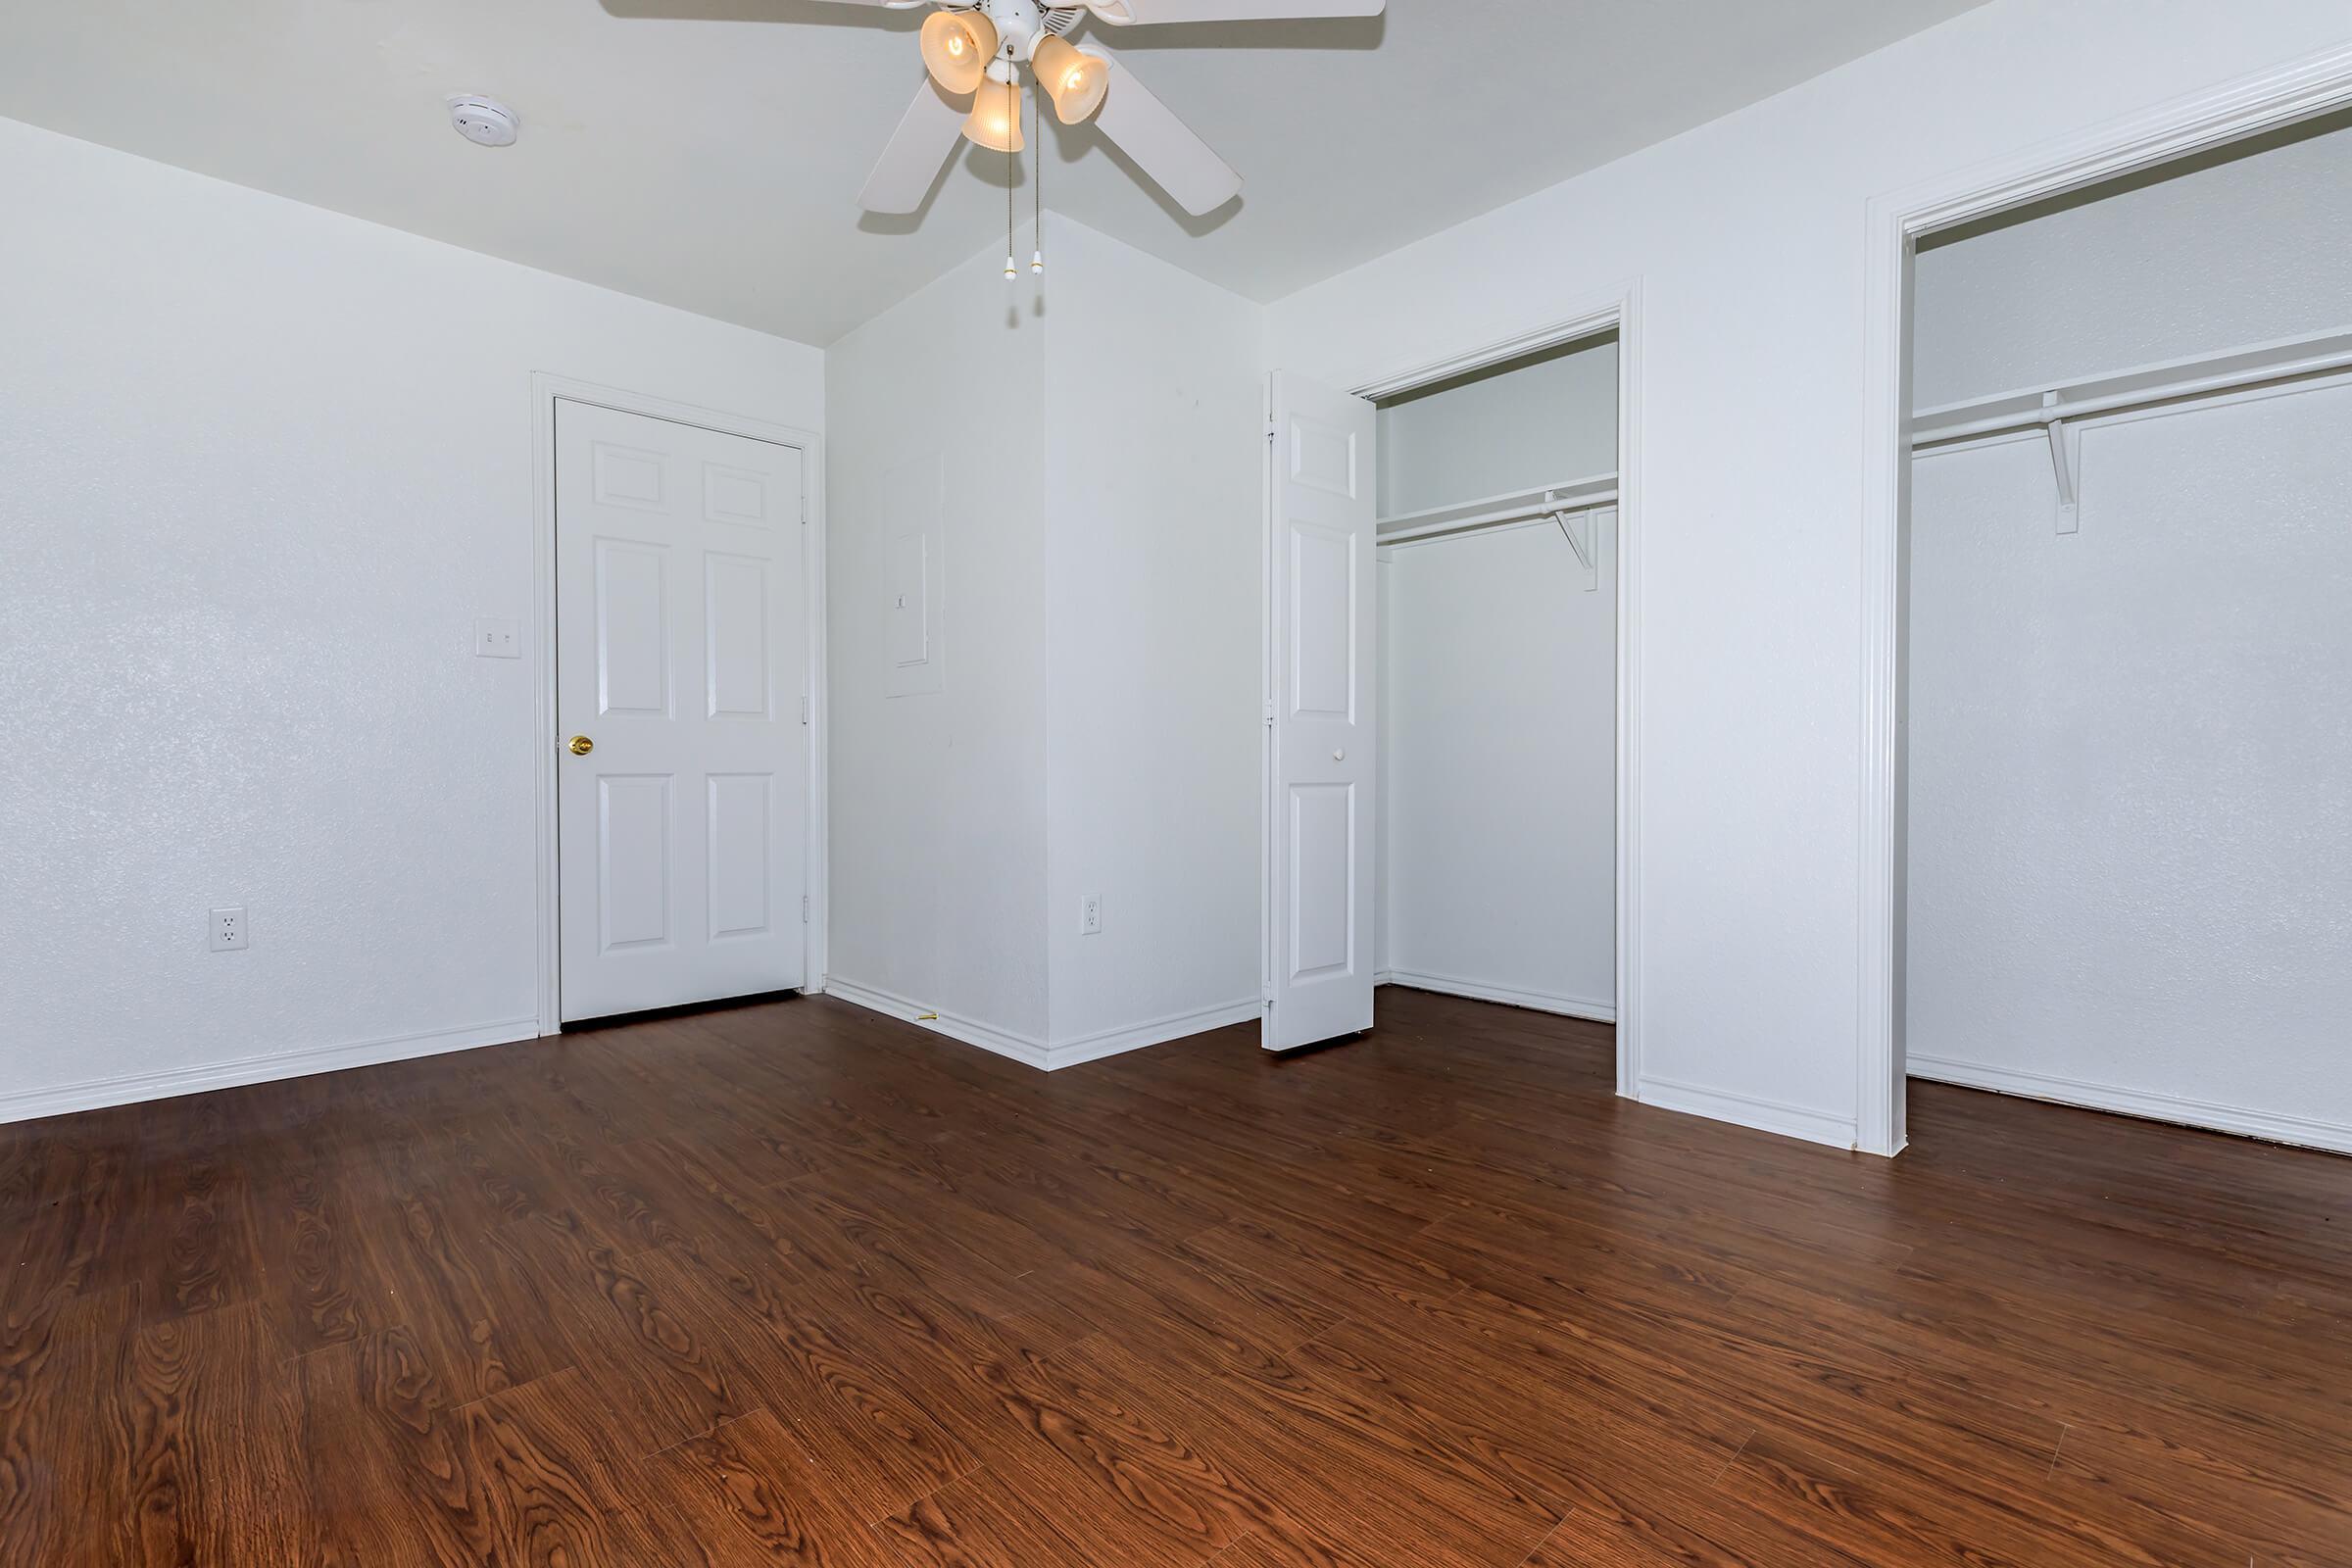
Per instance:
(2123,847)
(1449,664)
(1496,823)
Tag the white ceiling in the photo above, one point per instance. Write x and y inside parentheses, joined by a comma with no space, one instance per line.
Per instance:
(709,153)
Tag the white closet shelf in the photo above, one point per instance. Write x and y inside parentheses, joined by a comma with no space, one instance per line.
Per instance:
(2166,381)
(2053,408)
(1513,506)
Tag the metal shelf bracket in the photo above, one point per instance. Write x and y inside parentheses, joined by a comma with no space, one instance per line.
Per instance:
(1586,548)
(2065,456)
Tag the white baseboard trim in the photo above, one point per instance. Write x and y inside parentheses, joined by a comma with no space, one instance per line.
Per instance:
(1510,997)
(1157,1032)
(971,1031)
(1033,1053)
(2278,1128)
(1746,1111)
(96,1093)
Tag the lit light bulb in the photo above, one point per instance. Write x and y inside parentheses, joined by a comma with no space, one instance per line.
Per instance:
(955,47)
(1076,79)
(996,118)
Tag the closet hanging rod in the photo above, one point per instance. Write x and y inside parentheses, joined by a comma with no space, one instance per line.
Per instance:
(2169,381)
(1587,494)
(1534,513)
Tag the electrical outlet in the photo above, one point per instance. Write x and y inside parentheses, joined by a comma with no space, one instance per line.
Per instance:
(227,927)
(1090,914)
(497,639)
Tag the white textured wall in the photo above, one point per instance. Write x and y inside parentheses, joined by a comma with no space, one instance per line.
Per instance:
(1097,727)
(1500,756)
(2230,253)
(1385,662)
(1153,406)
(938,799)
(265,465)
(1746,239)
(2130,842)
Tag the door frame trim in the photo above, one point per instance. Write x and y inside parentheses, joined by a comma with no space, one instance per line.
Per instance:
(2296,91)
(547,388)
(1617,308)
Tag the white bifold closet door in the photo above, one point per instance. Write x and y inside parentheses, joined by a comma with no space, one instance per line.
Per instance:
(681,662)
(1323,712)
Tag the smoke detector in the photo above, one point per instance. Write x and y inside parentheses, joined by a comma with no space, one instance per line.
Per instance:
(484,122)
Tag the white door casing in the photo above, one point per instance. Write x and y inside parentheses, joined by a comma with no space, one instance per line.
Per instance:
(1322,713)
(682,656)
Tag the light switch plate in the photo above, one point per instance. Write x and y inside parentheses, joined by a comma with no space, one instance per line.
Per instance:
(494,638)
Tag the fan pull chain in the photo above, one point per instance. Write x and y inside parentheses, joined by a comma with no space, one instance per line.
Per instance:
(1013,164)
(1037,139)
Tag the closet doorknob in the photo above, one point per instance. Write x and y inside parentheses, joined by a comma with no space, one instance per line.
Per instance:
(581,746)
(1339,757)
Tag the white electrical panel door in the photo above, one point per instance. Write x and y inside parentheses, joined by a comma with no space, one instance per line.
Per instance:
(1322,713)
(909,612)
(681,672)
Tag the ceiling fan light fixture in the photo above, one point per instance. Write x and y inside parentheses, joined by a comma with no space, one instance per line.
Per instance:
(1074,79)
(958,46)
(996,118)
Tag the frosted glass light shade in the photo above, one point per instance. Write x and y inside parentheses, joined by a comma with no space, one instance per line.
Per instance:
(1073,79)
(995,120)
(958,46)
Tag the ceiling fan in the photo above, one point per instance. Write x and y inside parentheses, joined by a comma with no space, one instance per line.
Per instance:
(975,52)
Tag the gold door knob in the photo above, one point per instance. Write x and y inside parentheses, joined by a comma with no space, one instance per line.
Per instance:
(581,746)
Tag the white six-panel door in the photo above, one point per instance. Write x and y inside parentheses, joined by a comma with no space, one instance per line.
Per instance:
(1323,715)
(681,658)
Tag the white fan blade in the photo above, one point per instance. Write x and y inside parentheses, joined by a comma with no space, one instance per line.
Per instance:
(1163,146)
(922,143)
(1145,13)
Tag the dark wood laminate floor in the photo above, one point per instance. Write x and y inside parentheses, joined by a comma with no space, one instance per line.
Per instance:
(796,1284)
